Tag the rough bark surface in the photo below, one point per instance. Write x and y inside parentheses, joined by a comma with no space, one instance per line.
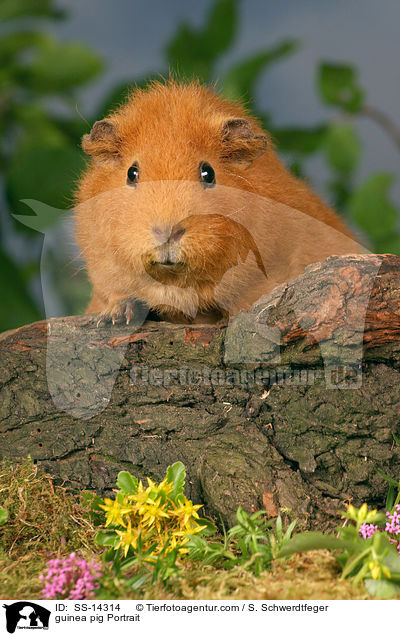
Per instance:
(294,405)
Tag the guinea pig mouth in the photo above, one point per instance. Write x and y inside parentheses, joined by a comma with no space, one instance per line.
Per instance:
(168,263)
(165,258)
(164,269)
(178,266)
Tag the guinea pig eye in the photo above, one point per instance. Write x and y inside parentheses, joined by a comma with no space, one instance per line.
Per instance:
(133,174)
(206,175)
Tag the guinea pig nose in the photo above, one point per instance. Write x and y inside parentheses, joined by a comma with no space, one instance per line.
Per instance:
(162,235)
(177,232)
(167,235)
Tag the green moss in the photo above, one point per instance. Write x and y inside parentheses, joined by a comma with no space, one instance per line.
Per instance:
(44,521)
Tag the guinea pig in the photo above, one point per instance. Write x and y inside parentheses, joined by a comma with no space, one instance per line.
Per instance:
(186,207)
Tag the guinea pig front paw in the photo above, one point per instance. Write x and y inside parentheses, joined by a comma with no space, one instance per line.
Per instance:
(119,313)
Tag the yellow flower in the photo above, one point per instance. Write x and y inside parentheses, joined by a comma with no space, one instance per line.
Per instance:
(139,499)
(188,530)
(187,511)
(362,513)
(127,538)
(371,516)
(152,514)
(375,568)
(166,485)
(150,494)
(351,511)
(114,512)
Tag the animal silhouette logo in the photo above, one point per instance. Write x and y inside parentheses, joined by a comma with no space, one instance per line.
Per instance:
(26,615)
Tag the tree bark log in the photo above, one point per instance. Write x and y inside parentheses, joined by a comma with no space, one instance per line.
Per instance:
(293,405)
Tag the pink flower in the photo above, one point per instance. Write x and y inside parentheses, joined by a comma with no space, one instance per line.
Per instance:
(70,578)
(393,526)
(367,530)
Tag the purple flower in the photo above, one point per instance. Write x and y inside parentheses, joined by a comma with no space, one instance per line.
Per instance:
(367,530)
(393,526)
(393,523)
(70,578)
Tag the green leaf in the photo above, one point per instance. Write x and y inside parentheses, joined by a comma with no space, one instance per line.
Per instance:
(176,475)
(341,191)
(185,54)
(127,483)
(60,66)
(278,528)
(36,126)
(382,588)
(193,52)
(106,538)
(11,9)
(338,86)
(139,580)
(88,497)
(342,148)
(46,173)
(13,44)
(72,129)
(208,527)
(289,531)
(221,26)
(94,501)
(3,516)
(17,307)
(241,517)
(390,497)
(391,557)
(388,478)
(301,140)
(239,82)
(370,207)
(305,541)
(108,555)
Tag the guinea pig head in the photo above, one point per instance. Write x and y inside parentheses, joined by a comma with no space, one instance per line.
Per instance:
(164,194)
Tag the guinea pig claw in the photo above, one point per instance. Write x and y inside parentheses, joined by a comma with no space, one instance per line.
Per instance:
(101,321)
(128,313)
(122,312)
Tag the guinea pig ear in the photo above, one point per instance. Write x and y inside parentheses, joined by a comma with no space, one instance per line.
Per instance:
(103,142)
(239,142)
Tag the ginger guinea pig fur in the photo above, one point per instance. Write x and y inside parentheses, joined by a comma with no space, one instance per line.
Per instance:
(186,207)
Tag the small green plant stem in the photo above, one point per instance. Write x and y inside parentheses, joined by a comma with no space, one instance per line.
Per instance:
(397,500)
(383,121)
(361,574)
(352,564)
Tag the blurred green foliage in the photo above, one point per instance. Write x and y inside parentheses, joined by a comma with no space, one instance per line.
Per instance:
(40,131)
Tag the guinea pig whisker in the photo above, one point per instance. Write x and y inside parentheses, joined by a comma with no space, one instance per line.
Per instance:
(238,176)
(232,214)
